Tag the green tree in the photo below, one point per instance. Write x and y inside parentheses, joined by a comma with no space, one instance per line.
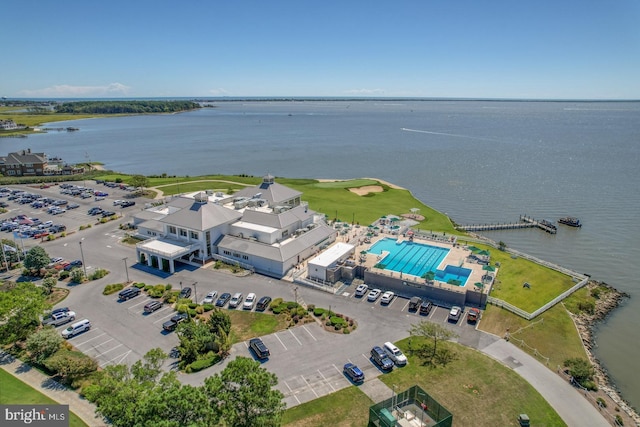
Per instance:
(77,275)
(139,181)
(36,259)
(21,306)
(219,321)
(71,365)
(48,283)
(149,368)
(43,344)
(195,339)
(436,333)
(244,394)
(580,369)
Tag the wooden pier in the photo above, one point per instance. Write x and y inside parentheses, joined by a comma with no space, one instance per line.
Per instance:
(525,222)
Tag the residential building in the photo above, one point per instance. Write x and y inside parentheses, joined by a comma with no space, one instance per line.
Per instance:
(23,163)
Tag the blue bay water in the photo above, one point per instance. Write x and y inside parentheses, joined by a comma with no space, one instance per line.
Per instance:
(477,161)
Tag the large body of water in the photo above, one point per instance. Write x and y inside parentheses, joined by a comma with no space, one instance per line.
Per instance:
(477,161)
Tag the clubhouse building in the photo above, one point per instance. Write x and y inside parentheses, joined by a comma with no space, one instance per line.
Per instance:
(266,228)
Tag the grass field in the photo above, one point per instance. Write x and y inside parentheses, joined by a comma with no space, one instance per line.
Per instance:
(348,407)
(14,391)
(246,325)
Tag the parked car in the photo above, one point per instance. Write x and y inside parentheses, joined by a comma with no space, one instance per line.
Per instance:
(387,297)
(473,316)
(60,310)
(380,357)
(249,302)
(236,300)
(75,264)
(361,290)
(425,307)
(454,314)
(353,372)
(57,319)
(172,323)
(260,350)
(129,293)
(127,203)
(263,303)
(373,294)
(95,210)
(152,306)
(395,354)
(223,300)
(414,303)
(210,298)
(107,214)
(76,328)
(185,292)
(57,228)
(73,206)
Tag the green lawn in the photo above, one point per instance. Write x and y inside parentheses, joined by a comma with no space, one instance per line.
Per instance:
(14,391)
(246,325)
(348,407)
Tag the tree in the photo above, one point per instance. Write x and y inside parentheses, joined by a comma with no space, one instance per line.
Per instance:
(139,181)
(48,283)
(581,370)
(219,321)
(21,306)
(244,394)
(436,333)
(195,339)
(36,259)
(71,365)
(77,275)
(43,344)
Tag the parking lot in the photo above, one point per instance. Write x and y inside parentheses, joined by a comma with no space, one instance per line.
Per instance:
(307,359)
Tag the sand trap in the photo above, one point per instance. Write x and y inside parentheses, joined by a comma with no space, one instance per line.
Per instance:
(361,191)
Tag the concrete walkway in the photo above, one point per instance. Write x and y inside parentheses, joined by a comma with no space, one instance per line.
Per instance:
(572,407)
(84,409)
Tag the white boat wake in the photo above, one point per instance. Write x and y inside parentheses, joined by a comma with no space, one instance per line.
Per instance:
(449,134)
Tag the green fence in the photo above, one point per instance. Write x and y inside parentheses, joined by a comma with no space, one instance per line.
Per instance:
(411,404)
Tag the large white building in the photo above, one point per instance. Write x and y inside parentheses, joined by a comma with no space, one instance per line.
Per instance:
(266,227)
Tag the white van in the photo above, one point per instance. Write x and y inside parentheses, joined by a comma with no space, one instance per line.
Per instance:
(395,354)
(78,327)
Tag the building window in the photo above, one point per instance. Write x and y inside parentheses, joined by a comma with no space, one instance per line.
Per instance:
(245,257)
(193,235)
(183,232)
(172,229)
(226,252)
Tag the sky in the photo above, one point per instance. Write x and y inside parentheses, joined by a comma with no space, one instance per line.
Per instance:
(561,49)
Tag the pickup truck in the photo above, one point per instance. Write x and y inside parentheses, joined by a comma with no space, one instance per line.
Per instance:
(57,319)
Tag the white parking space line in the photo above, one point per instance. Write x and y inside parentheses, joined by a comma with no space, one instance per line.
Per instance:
(405,305)
(135,305)
(309,385)
(368,359)
(167,307)
(433,310)
(123,355)
(102,343)
(105,352)
(325,379)
(296,338)
(91,339)
(305,328)
(164,317)
(278,338)
(339,371)
(292,393)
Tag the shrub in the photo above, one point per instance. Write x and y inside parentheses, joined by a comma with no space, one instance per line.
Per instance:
(337,321)
(278,309)
(199,309)
(346,331)
(167,287)
(207,307)
(619,420)
(64,275)
(318,311)
(148,287)
(601,402)
(112,288)
(77,275)
(51,237)
(192,312)
(292,304)
(201,364)
(139,285)
(99,274)
(182,308)
(276,302)
(311,307)
(193,305)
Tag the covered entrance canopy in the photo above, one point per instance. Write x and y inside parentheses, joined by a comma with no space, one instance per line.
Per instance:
(164,249)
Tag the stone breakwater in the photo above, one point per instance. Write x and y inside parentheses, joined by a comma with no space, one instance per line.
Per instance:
(609,299)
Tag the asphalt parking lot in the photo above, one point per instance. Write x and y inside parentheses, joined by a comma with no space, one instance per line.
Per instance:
(307,359)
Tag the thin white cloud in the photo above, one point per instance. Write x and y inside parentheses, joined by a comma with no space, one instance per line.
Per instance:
(218,91)
(365,91)
(69,91)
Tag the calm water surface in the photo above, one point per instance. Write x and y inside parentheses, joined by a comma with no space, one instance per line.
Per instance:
(477,161)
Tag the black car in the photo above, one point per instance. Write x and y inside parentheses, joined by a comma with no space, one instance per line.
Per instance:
(223,300)
(263,303)
(59,310)
(414,303)
(172,323)
(185,292)
(261,351)
(129,293)
(73,264)
(381,358)
(107,214)
(353,372)
(95,211)
(425,307)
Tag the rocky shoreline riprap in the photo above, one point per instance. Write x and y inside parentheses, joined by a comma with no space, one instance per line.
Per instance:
(609,299)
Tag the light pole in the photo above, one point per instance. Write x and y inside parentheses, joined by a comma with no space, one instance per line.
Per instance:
(181,285)
(126,269)
(84,266)
(195,292)
(295,293)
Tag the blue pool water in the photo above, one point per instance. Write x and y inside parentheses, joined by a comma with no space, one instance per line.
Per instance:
(417,259)
(408,257)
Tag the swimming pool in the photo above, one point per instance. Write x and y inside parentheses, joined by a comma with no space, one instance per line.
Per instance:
(417,259)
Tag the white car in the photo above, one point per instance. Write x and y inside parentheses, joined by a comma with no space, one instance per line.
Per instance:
(373,294)
(249,301)
(361,290)
(387,297)
(117,202)
(210,298)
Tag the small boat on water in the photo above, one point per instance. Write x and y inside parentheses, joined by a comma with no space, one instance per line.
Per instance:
(570,221)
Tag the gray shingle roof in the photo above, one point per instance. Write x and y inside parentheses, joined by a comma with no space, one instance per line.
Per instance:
(281,220)
(273,192)
(200,216)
